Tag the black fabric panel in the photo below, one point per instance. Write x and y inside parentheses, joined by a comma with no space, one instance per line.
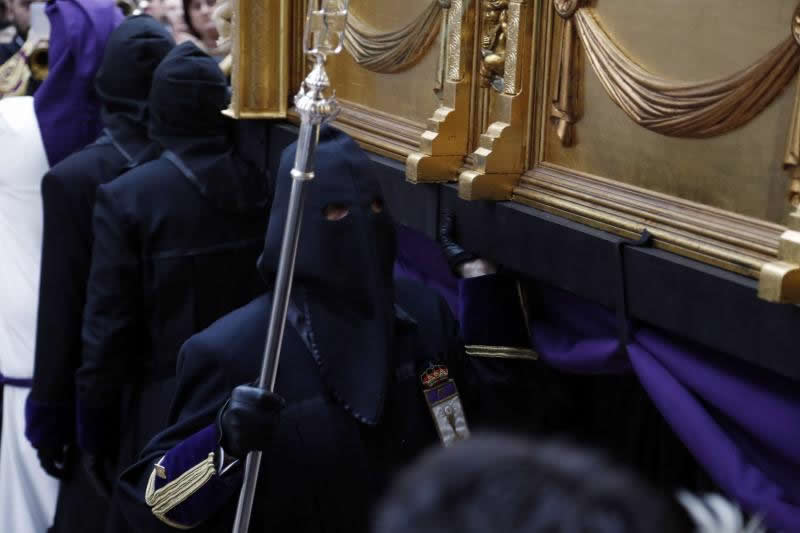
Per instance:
(399,195)
(698,302)
(687,298)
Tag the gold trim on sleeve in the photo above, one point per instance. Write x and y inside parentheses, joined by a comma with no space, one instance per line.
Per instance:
(501,352)
(178,490)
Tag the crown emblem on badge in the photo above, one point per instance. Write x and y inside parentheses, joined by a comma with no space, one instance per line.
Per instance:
(434,375)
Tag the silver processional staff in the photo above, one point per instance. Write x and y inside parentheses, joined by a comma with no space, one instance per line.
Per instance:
(323,35)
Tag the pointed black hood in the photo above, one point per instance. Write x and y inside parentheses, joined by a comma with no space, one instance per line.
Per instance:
(133,52)
(187,97)
(343,276)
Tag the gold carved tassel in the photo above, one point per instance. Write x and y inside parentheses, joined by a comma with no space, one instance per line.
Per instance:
(563,109)
(791,161)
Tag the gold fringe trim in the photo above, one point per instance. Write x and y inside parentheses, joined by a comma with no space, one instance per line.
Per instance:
(178,490)
(501,352)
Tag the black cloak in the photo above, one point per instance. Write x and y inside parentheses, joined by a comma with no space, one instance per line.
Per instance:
(176,243)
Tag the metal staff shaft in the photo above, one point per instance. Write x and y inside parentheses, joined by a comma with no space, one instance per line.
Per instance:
(280,305)
(323,36)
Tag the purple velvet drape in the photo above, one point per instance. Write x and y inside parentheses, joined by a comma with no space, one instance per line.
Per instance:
(742,423)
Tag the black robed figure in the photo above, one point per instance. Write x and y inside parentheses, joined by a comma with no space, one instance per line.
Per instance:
(176,244)
(132,53)
(349,408)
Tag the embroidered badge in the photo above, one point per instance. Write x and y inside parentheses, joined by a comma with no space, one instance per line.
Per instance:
(444,404)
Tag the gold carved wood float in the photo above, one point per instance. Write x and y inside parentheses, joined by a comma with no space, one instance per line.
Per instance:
(735,174)
(615,146)
(385,83)
(582,108)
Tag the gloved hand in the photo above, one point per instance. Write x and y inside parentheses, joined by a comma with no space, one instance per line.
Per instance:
(248,420)
(462,262)
(54,461)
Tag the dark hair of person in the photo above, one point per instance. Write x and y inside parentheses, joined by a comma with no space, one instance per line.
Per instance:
(187,4)
(505,485)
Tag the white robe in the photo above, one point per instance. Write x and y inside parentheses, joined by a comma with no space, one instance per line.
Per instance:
(27,494)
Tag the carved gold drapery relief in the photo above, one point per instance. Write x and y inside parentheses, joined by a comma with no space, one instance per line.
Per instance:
(678,109)
(689,110)
(393,51)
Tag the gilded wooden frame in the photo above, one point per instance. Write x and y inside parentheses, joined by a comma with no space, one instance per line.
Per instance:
(262,40)
(497,102)
(715,236)
(749,246)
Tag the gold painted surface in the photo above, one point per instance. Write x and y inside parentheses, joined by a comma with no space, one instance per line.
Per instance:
(392,51)
(739,171)
(502,152)
(779,281)
(409,94)
(442,146)
(260,73)
(493,43)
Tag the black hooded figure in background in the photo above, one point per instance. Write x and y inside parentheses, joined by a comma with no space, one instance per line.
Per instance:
(176,244)
(350,406)
(132,54)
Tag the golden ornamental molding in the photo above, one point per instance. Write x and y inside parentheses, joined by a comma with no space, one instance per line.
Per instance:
(779,281)
(258,35)
(734,242)
(501,155)
(444,143)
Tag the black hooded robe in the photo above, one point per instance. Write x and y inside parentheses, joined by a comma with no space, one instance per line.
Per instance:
(176,243)
(68,195)
(355,350)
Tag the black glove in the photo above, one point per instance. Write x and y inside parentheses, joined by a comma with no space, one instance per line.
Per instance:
(453,252)
(248,420)
(55,461)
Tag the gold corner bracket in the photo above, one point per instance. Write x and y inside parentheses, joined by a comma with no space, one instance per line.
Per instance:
(500,157)
(444,143)
(779,281)
(260,52)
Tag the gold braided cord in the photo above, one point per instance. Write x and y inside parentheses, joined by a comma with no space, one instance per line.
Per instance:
(680,109)
(393,51)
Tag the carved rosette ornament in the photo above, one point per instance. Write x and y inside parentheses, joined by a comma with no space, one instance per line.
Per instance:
(566,8)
